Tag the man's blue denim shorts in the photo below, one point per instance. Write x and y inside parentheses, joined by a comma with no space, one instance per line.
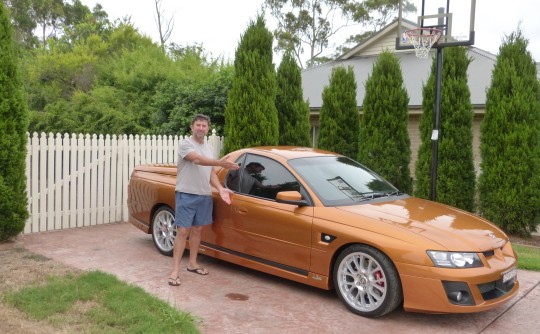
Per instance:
(192,210)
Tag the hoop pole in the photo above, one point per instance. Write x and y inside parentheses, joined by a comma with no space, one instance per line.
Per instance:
(436,121)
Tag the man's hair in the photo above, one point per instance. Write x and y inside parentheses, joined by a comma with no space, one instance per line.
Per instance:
(255,164)
(200,117)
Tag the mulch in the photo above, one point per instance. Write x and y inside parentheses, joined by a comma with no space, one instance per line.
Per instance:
(533,240)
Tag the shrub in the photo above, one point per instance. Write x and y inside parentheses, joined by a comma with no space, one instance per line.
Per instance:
(339,119)
(455,174)
(384,144)
(13,126)
(509,186)
(293,111)
(251,117)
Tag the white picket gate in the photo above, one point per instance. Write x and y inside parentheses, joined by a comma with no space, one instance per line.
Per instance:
(76,180)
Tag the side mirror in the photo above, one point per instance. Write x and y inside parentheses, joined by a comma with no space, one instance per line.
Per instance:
(290,197)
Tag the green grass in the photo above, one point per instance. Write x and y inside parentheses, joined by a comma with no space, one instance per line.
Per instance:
(528,257)
(99,303)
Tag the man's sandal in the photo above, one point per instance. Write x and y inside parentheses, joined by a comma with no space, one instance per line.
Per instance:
(199,271)
(174,281)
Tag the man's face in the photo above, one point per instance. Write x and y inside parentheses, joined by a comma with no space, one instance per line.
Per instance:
(255,169)
(199,129)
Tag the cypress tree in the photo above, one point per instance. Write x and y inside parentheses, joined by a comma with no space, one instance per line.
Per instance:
(509,184)
(13,126)
(455,174)
(251,117)
(384,144)
(339,119)
(293,111)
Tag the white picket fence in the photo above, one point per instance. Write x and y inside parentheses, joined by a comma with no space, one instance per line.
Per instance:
(76,180)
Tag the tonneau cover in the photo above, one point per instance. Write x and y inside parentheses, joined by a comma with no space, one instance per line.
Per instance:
(169,169)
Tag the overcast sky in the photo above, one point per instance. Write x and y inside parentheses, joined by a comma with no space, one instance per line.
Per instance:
(218,24)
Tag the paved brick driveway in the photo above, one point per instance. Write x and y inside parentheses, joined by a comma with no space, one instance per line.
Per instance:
(233,299)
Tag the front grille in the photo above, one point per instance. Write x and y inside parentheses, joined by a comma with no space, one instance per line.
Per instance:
(486,287)
(489,253)
(495,289)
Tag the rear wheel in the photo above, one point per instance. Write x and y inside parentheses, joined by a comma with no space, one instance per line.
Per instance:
(164,230)
(367,281)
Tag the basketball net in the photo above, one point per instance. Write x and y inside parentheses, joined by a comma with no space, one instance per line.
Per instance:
(422,39)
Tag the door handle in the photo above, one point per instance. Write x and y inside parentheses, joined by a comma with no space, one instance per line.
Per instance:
(240,210)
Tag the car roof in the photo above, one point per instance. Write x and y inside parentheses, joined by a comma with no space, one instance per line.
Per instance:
(292,152)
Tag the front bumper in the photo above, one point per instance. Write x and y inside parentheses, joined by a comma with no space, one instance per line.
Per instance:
(452,290)
(430,295)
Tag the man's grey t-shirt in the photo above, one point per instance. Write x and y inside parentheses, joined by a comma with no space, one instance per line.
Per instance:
(192,178)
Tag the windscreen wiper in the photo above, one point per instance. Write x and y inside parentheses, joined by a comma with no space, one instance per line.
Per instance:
(395,193)
(379,195)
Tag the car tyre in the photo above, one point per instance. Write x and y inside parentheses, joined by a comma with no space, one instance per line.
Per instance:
(367,281)
(164,230)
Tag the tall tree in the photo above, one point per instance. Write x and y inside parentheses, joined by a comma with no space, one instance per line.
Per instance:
(23,22)
(75,13)
(165,26)
(509,184)
(80,23)
(455,173)
(312,24)
(384,138)
(293,111)
(251,117)
(13,126)
(49,16)
(339,119)
(381,13)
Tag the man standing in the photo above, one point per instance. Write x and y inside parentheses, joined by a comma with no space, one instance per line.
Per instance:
(195,175)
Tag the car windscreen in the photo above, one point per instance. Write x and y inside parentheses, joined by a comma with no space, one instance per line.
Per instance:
(342,181)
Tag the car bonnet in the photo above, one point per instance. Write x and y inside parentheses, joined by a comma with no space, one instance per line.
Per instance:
(454,229)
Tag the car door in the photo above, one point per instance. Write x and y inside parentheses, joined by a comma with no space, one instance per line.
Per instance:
(260,228)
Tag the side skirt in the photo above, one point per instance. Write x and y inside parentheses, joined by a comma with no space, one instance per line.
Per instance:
(266,266)
(257,259)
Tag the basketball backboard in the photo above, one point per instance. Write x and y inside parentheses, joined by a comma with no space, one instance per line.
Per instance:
(455,19)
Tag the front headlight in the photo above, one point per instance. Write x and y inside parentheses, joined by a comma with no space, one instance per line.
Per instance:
(454,259)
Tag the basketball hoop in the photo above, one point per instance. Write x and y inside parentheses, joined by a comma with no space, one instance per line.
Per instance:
(422,39)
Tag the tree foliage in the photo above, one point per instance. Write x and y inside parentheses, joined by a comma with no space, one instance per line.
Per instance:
(509,184)
(312,24)
(176,101)
(48,15)
(81,23)
(293,111)
(455,174)
(338,118)
(251,117)
(23,23)
(13,125)
(101,77)
(381,13)
(384,144)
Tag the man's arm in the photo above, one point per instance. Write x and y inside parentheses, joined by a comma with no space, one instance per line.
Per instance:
(224,193)
(202,160)
(214,181)
(205,161)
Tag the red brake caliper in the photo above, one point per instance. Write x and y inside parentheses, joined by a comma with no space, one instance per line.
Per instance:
(378,276)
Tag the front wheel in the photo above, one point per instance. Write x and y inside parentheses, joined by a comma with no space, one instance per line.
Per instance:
(367,281)
(164,230)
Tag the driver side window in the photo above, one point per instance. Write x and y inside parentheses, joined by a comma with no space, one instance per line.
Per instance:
(262,177)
